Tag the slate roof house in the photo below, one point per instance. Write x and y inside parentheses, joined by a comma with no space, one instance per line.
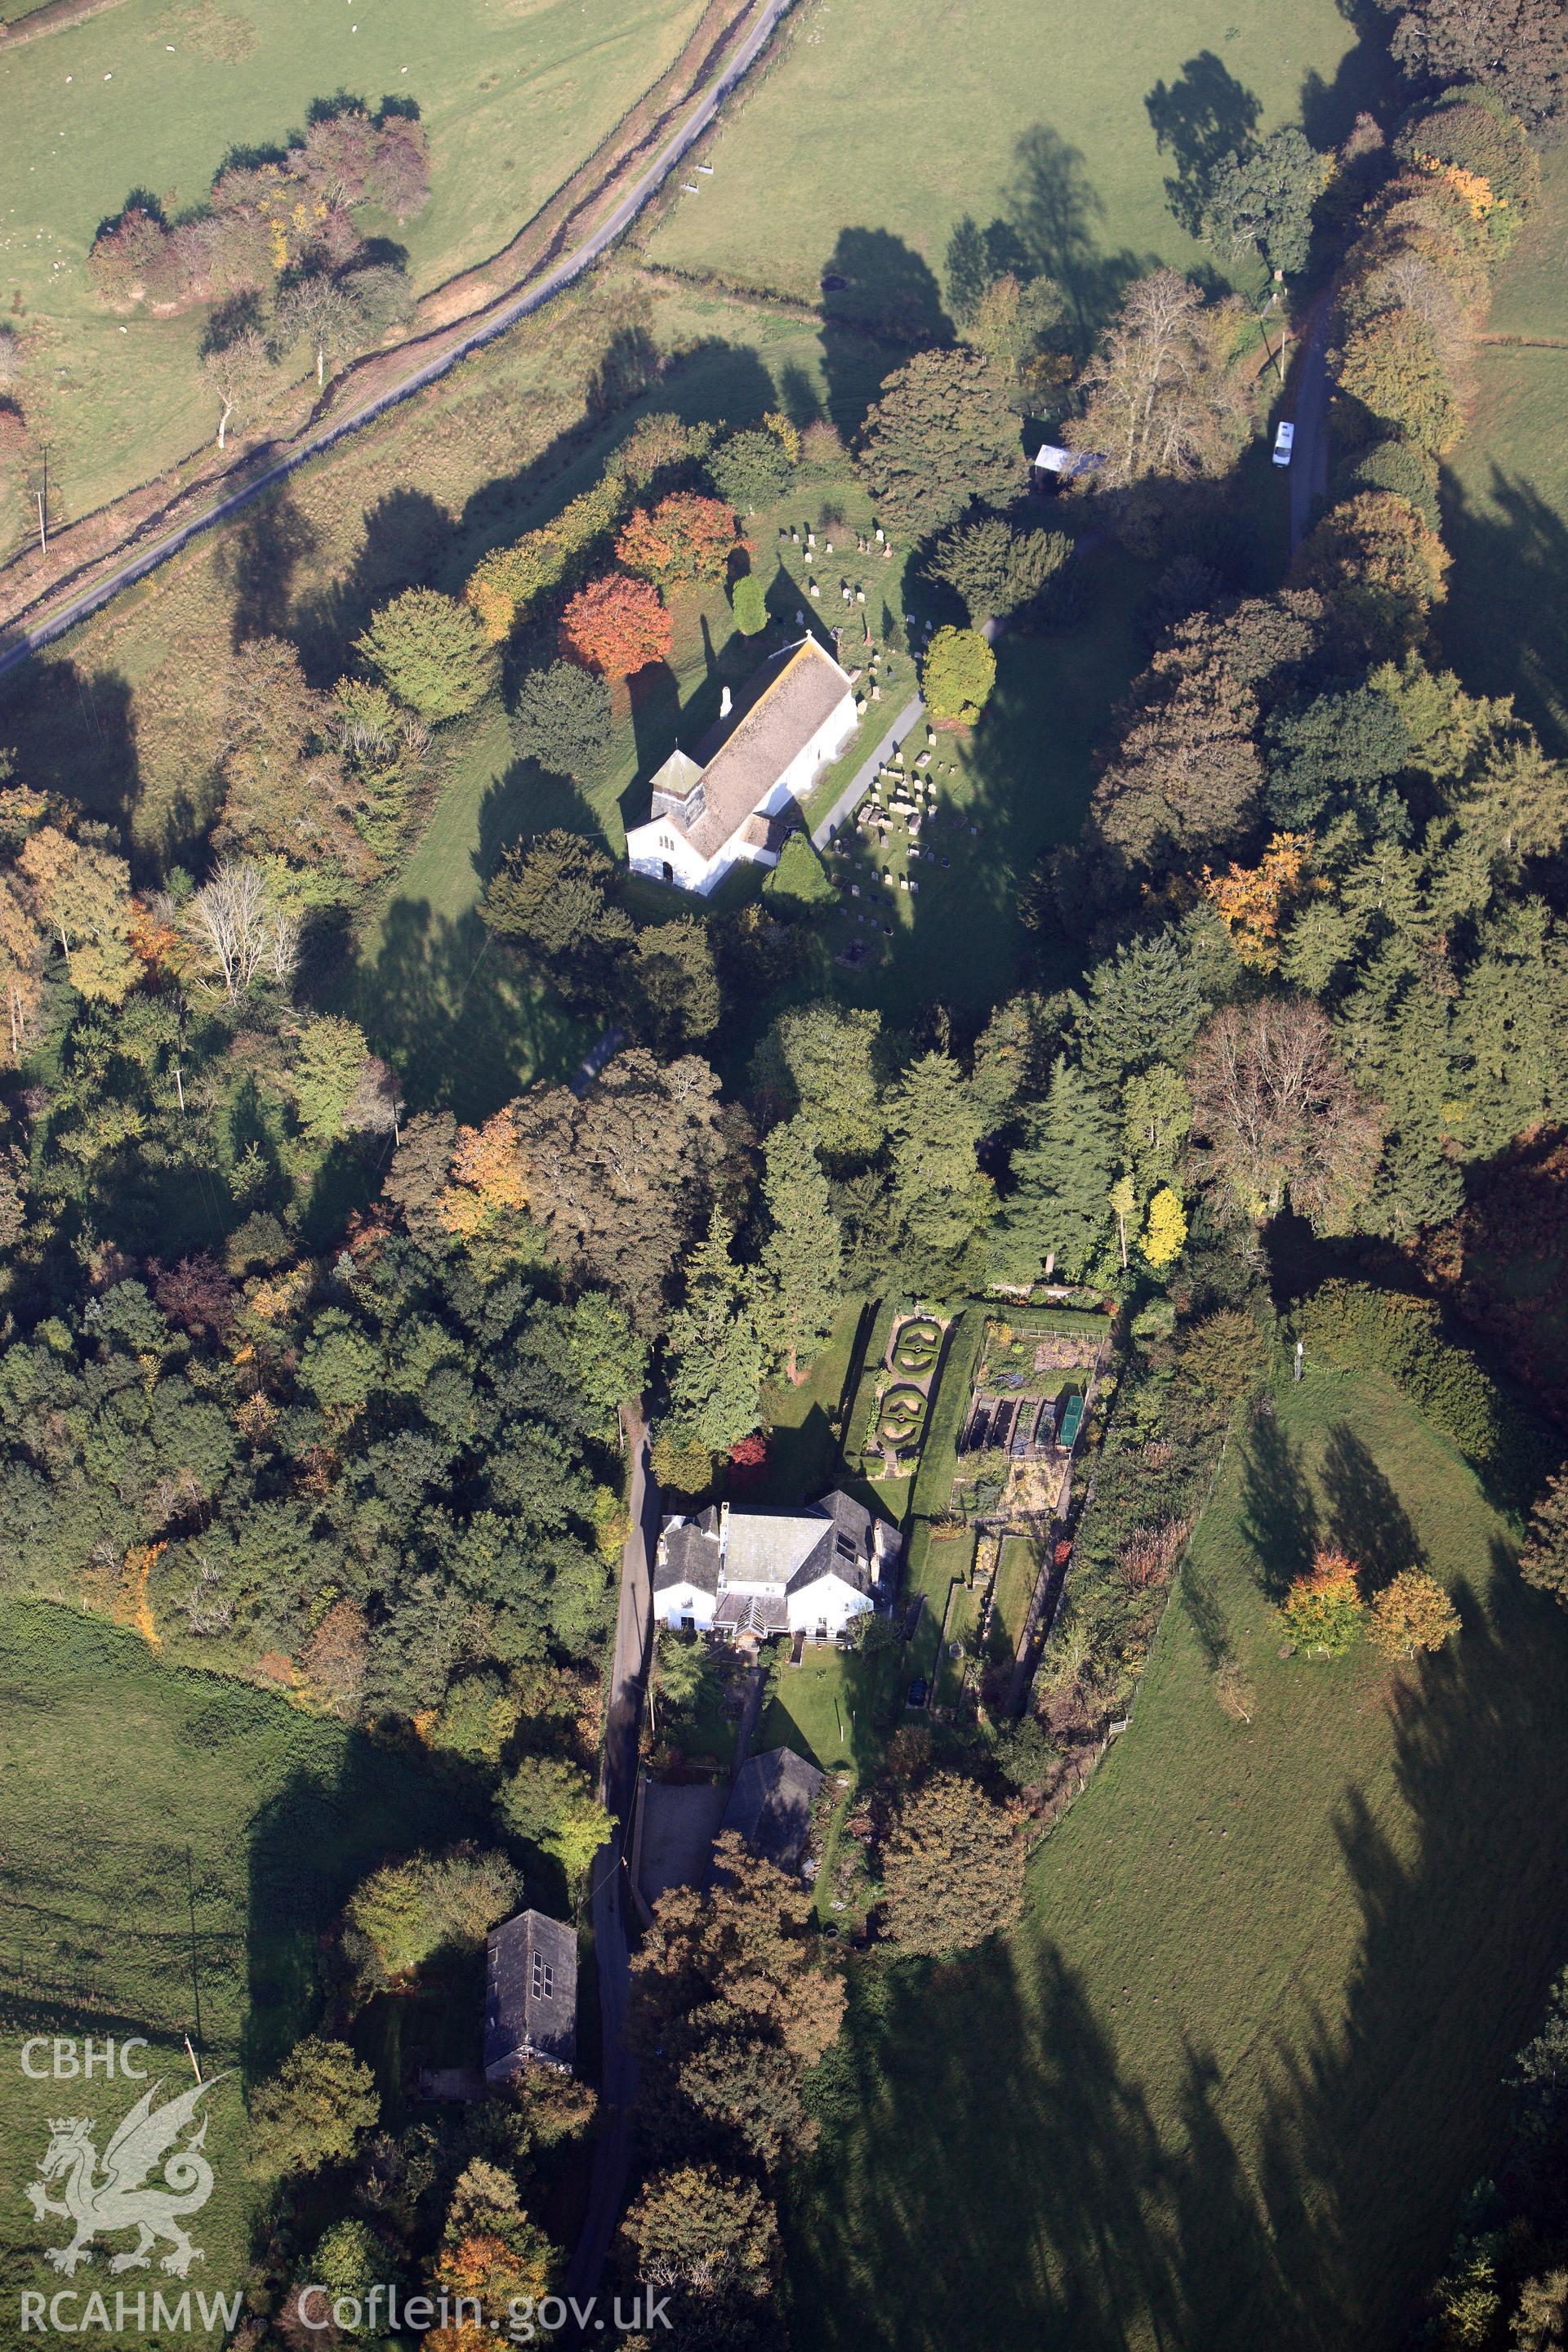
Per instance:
(530,1996)
(757,1573)
(737,799)
(770,1806)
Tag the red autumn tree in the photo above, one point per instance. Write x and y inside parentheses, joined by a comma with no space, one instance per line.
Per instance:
(685,537)
(616,625)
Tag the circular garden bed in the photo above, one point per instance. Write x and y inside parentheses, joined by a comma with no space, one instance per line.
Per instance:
(900,1417)
(917,1346)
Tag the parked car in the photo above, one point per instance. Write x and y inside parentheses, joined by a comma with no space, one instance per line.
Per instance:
(1284,442)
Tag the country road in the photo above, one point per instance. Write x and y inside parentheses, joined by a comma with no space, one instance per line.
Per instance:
(1310,457)
(617,1783)
(26,641)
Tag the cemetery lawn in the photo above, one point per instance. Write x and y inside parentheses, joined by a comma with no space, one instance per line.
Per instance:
(514,94)
(1506,485)
(148,1807)
(1196,2097)
(1030,110)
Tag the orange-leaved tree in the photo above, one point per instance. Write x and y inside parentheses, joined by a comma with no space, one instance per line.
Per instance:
(1323,1609)
(1251,900)
(616,625)
(1412,1613)
(488,1179)
(685,537)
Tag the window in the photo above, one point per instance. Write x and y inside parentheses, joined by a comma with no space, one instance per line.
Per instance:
(846,1547)
(544,1980)
(688,1625)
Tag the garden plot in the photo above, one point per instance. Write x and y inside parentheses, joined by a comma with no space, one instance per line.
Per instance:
(901,1381)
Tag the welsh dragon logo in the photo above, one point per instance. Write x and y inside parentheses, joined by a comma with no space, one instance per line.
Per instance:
(101,2201)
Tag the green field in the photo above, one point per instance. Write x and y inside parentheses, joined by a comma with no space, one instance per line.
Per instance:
(1228,2083)
(1505,624)
(174,1845)
(879,130)
(513,93)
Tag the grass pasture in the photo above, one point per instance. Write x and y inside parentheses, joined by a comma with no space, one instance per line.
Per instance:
(1505,623)
(174,1845)
(1230,2080)
(876,131)
(155,94)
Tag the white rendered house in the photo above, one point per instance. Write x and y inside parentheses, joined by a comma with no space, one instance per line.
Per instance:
(734,802)
(765,1572)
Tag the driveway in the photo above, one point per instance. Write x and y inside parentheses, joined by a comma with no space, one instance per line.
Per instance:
(608,1892)
(1309,457)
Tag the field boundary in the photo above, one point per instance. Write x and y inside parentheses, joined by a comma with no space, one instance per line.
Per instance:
(447,346)
(54,16)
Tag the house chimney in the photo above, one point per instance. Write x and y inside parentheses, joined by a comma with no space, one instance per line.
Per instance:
(724,703)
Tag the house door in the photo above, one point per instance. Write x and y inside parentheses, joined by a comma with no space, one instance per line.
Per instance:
(667,870)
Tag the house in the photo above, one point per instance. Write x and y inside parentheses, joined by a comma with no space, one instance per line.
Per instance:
(756,1573)
(770,1806)
(530,1996)
(736,802)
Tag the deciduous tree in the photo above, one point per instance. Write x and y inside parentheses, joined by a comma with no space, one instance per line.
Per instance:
(684,536)
(1323,1608)
(431,652)
(1411,1614)
(1280,1114)
(1163,395)
(957,674)
(952,1865)
(310,2114)
(618,625)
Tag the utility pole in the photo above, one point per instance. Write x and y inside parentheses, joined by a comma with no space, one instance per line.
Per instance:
(43,505)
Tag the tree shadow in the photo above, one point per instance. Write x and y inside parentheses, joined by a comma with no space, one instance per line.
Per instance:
(1366,1519)
(465,1030)
(1506,618)
(406,533)
(527,799)
(1205,1613)
(1199,119)
(1053,210)
(255,561)
(1279,1510)
(73,733)
(351,1804)
(876,291)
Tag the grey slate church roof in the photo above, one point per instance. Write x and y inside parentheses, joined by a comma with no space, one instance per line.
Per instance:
(742,758)
(530,1995)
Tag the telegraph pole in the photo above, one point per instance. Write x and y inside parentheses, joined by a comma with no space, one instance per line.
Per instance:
(43,505)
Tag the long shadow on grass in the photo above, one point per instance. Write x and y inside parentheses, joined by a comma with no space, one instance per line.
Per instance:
(992,2171)
(1366,1518)
(1508,615)
(1280,1513)
(1031,2198)
(442,1001)
(1388,2115)
(310,1845)
(1201,119)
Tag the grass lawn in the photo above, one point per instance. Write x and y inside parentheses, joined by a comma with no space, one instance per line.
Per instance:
(1228,2083)
(802,1445)
(936,1563)
(963,1616)
(878,130)
(832,1708)
(1505,624)
(1017,1574)
(174,1846)
(155,94)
